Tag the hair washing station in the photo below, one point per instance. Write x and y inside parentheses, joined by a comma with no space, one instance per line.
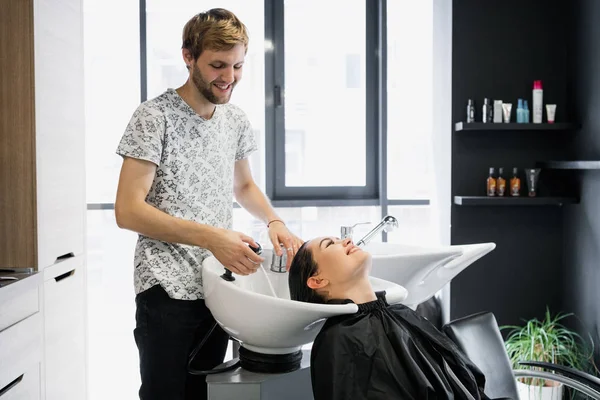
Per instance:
(256,310)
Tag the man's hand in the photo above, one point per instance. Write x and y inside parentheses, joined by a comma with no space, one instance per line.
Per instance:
(231,249)
(279,233)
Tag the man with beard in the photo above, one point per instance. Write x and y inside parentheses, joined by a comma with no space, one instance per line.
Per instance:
(185,155)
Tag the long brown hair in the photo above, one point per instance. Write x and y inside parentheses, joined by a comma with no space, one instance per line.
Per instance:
(303,267)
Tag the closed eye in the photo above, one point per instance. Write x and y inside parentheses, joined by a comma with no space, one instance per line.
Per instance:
(221,66)
(330,242)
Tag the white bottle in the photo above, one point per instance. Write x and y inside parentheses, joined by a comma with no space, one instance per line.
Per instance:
(538,102)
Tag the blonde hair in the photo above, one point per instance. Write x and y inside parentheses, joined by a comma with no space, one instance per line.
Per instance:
(216,29)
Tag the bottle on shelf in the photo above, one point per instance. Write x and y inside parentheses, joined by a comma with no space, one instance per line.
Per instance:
(470,111)
(491,183)
(520,112)
(501,183)
(486,111)
(538,102)
(515,184)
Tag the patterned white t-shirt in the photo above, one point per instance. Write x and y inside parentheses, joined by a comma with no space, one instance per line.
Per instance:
(194,181)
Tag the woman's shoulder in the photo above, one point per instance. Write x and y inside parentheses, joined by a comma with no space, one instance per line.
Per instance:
(340,324)
(347,326)
(341,332)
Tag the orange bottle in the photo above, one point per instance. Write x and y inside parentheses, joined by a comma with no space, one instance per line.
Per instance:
(491,183)
(515,184)
(500,183)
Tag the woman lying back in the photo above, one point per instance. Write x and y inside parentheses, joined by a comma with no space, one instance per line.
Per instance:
(381,352)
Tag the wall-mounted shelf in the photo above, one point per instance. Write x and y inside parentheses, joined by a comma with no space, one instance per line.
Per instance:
(512,126)
(513,201)
(591,164)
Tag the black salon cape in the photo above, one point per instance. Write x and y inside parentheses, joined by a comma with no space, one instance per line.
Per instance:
(388,352)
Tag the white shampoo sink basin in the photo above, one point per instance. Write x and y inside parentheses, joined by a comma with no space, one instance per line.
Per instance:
(257,310)
(423,271)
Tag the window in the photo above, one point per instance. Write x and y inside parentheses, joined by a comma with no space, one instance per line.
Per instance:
(323,121)
(112,93)
(310,222)
(112,90)
(325,97)
(415,225)
(409,101)
(409,73)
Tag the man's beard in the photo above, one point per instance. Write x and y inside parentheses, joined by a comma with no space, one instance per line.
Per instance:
(206,88)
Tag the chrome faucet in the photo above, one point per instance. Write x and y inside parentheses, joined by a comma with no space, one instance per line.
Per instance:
(387,224)
(348,231)
(278,263)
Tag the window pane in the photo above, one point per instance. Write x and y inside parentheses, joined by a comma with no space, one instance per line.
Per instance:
(111,308)
(310,222)
(409,88)
(325,73)
(112,89)
(416,226)
(166,69)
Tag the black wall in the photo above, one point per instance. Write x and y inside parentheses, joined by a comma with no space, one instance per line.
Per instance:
(499,49)
(582,223)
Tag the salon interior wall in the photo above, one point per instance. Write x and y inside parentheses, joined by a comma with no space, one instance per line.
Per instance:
(498,49)
(582,222)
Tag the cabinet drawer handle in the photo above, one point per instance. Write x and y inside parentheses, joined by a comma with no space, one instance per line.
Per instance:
(11,385)
(65,275)
(65,256)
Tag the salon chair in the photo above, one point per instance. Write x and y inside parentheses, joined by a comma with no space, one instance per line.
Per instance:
(478,336)
(431,310)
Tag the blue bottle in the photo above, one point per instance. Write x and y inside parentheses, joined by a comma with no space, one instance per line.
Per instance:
(525,112)
(520,113)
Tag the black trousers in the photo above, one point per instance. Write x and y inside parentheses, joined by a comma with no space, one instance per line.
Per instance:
(166,332)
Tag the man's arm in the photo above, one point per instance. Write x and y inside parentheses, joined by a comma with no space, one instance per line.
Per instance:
(249,196)
(134,213)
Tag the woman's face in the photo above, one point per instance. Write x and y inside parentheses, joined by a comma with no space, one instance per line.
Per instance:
(339,262)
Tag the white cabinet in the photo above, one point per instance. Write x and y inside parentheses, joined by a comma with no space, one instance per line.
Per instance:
(60,129)
(64,306)
(19,300)
(21,339)
(26,386)
(20,358)
(60,191)
(43,173)
(43,127)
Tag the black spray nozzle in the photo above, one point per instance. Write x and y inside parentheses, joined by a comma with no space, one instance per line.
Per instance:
(257,250)
(228,276)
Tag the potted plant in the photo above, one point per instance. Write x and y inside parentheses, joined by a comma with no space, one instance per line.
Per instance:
(549,341)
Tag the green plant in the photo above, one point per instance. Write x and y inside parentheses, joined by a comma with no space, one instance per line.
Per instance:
(550,341)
